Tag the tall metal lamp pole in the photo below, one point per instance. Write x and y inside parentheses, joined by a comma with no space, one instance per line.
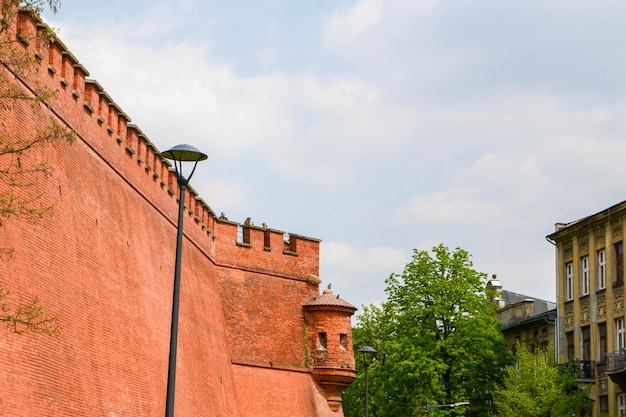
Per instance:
(178,154)
(368,355)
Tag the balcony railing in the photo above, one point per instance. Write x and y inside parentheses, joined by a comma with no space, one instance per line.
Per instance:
(585,369)
(615,362)
(616,368)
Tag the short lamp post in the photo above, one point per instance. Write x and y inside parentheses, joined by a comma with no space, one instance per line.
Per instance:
(178,154)
(431,406)
(368,355)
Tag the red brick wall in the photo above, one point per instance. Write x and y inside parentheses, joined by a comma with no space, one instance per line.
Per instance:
(103,261)
(276,393)
(264,317)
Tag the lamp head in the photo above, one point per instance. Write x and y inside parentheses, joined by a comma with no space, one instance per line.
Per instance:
(367,350)
(184,153)
(368,354)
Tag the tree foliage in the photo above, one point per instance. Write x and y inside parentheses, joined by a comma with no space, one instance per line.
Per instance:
(20,172)
(438,339)
(13,56)
(29,316)
(536,387)
(21,167)
(9,9)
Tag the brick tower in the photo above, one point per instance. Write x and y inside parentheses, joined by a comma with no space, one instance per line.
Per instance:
(329,335)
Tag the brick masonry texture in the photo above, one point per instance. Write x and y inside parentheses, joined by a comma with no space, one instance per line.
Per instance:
(103,260)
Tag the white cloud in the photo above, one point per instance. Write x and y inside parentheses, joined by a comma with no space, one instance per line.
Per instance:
(375,260)
(425,122)
(359,274)
(449,207)
(229,194)
(318,128)
(347,26)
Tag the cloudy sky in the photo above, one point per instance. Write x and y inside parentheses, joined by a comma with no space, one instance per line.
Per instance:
(380,126)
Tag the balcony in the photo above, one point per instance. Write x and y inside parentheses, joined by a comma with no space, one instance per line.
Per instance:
(584,370)
(616,368)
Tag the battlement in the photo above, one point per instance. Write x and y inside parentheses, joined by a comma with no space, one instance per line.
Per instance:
(82,104)
(263,249)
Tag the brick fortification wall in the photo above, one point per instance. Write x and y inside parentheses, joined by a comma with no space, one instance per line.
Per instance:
(104,259)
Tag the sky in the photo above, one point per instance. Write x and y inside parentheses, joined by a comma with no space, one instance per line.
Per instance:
(379,126)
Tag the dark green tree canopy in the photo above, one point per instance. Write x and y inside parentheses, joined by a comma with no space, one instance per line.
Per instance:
(439,336)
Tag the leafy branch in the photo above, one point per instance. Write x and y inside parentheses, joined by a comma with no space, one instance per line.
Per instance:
(29,316)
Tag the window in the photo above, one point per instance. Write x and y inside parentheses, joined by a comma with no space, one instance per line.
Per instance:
(267,242)
(621,405)
(604,341)
(584,275)
(569,338)
(343,341)
(604,404)
(321,341)
(531,344)
(569,281)
(601,269)
(544,340)
(586,331)
(619,334)
(619,263)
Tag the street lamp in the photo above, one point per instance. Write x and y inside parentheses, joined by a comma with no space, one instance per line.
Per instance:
(431,406)
(368,355)
(178,154)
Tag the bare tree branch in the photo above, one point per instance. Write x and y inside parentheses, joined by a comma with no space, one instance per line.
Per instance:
(21,172)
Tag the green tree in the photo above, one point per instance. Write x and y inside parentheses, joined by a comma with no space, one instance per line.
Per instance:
(536,387)
(438,339)
(21,172)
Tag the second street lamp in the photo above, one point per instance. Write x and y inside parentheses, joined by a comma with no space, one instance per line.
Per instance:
(368,355)
(430,406)
(178,154)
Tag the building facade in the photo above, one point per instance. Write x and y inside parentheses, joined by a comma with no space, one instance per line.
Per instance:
(524,319)
(590,299)
(256,337)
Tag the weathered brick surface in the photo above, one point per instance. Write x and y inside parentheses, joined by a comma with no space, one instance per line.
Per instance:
(104,259)
(279,393)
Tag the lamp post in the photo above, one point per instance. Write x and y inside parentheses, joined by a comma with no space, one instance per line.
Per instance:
(368,355)
(431,406)
(178,154)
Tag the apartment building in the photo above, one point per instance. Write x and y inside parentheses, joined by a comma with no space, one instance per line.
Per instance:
(524,319)
(590,304)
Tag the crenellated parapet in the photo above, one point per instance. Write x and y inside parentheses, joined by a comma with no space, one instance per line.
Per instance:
(83,105)
(264,249)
